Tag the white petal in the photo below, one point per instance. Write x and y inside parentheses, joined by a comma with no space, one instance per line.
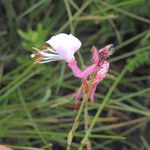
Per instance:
(75,43)
(65,45)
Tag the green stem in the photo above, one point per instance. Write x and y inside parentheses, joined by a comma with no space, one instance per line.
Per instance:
(86,120)
(69,16)
(31,119)
(76,122)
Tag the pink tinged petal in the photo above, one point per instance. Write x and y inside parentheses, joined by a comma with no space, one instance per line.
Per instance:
(103,68)
(101,73)
(98,78)
(95,56)
(65,45)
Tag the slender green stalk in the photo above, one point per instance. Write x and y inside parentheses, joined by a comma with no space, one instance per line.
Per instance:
(31,118)
(32,8)
(126,55)
(11,89)
(69,16)
(21,76)
(146,90)
(131,40)
(76,122)
(140,18)
(84,6)
(86,120)
(71,26)
(145,143)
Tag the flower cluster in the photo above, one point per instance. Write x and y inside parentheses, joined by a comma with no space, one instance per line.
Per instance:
(63,47)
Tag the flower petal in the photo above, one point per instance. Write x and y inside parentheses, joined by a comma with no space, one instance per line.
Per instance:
(65,45)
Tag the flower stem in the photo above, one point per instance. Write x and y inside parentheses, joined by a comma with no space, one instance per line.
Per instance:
(76,121)
(86,122)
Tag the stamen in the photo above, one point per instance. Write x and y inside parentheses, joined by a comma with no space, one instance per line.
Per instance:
(38,60)
(35,54)
(34,48)
(32,55)
(45,50)
(51,50)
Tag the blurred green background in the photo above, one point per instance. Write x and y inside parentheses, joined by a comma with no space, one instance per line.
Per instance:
(36,101)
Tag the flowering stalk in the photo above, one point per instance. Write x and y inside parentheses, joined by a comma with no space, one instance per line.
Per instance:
(76,121)
(102,106)
(99,72)
(63,47)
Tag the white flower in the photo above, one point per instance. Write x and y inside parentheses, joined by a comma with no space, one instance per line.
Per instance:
(63,48)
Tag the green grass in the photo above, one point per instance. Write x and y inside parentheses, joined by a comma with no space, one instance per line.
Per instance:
(36,101)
